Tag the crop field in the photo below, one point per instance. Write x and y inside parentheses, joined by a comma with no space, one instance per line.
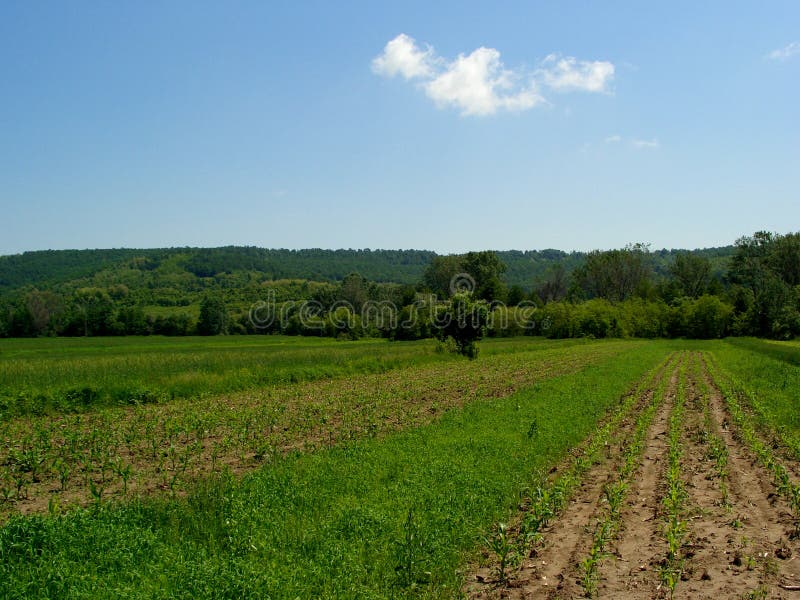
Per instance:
(282,467)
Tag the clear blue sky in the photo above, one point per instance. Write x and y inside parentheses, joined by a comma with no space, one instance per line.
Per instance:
(293,124)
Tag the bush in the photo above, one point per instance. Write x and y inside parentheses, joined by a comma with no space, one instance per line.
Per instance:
(707,317)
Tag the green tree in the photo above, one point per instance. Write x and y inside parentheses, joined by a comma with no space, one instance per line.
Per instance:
(355,291)
(615,275)
(768,265)
(486,269)
(691,273)
(708,317)
(555,285)
(46,310)
(784,258)
(132,321)
(440,273)
(464,321)
(213,318)
(515,295)
(94,312)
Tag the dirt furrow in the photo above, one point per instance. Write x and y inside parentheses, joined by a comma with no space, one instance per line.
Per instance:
(547,572)
(550,569)
(632,571)
(745,547)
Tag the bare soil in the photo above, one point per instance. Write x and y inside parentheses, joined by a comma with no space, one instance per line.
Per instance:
(738,545)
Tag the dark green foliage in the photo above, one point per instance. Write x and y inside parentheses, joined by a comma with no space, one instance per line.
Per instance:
(464,321)
(213,317)
(486,269)
(766,267)
(691,274)
(516,295)
(707,318)
(615,275)
(145,292)
(440,273)
(704,318)
(555,285)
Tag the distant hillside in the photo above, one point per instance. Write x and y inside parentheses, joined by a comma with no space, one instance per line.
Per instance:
(195,269)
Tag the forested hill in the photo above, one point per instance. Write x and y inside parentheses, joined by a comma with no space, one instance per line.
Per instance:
(185,267)
(52,267)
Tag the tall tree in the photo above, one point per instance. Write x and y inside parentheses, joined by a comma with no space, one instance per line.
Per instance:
(46,310)
(354,290)
(691,273)
(555,285)
(767,265)
(213,316)
(440,273)
(784,258)
(464,321)
(615,275)
(486,269)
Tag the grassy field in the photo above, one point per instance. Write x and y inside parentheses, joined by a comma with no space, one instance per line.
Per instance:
(355,469)
(72,374)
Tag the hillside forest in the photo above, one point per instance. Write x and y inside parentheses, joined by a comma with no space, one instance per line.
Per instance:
(751,288)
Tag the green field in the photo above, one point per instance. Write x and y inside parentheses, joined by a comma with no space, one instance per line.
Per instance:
(68,374)
(294,467)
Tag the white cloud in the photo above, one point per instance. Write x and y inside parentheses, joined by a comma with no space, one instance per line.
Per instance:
(568,73)
(402,55)
(785,53)
(613,139)
(479,84)
(646,144)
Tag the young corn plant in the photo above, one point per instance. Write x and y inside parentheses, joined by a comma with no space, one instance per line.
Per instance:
(717,450)
(548,502)
(675,497)
(615,493)
(505,549)
(745,430)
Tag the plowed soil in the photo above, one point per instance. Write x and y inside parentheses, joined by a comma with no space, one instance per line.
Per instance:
(738,544)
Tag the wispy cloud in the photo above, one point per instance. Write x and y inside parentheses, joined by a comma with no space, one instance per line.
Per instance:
(635,143)
(646,144)
(785,53)
(479,83)
(569,74)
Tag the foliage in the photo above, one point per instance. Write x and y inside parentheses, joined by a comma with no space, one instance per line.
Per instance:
(464,321)
(691,274)
(628,292)
(615,275)
(213,317)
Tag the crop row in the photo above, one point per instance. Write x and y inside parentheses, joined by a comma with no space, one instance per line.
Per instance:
(163,447)
(717,450)
(675,495)
(615,493)
(766,378)
(549,500)
(735,397)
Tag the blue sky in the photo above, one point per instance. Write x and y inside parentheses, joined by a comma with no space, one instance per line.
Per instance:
(572,125)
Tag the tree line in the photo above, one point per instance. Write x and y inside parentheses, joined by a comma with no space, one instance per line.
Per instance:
(623,292)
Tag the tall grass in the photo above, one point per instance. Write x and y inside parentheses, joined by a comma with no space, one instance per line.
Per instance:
(62,374)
